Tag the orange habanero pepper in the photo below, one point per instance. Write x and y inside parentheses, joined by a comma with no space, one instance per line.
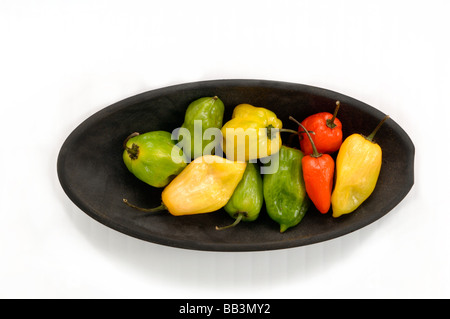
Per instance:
(318,173)
(327,132)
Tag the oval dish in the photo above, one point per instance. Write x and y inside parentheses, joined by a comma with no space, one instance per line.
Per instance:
(94,177)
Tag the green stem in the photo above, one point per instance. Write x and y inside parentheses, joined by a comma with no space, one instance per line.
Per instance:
(286,130)
(298,123)
(270,134)
(237,221)
(146,210)
(315,152)
(372,135)
(330,122)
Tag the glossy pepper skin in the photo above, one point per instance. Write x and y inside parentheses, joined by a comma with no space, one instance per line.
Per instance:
(204,186)
(327,130)
(150,157)
(318,173)
(255,124)
(358,166)
(208,110)
(284,191)
(246,202)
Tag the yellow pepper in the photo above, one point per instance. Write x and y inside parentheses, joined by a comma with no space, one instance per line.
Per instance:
(204,186)
(249,135)
(358,166)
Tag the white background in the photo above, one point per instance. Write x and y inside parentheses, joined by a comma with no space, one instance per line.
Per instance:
(61,61)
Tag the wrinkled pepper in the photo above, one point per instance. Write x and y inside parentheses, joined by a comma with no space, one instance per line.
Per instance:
(204,186)
(153,157)
(284,191)
(209,111)
(327,132)
(358,166)
(251,133)
(318,173)
(246,202)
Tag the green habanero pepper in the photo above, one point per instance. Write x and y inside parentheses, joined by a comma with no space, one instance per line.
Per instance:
(208,111)
(284,191)
(246,202)
(153,157)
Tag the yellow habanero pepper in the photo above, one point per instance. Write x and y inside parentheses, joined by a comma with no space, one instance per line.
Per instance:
(249,135)
(358,166)
(204,186)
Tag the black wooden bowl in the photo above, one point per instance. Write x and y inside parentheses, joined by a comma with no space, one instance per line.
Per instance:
(93,175)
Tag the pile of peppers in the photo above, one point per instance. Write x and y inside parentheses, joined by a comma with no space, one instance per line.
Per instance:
(194,183)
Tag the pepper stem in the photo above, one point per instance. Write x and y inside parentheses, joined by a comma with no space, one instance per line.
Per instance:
(330,122)
(310,132)
(372,135)
(270,134)
(237,221)
(315,152)
(294,120)
(147,210)
(132,151)
(128,138)
(286,130)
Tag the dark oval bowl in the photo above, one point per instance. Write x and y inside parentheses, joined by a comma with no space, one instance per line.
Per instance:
(93,175)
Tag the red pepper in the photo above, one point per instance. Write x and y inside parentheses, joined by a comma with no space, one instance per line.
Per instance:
(327,132)
(318,173)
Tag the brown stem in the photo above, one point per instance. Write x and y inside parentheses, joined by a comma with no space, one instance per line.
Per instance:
(330,122)
(128,138)
(132,151)
(372,135)
(315,152)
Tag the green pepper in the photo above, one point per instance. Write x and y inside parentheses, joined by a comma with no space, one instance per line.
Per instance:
(284,190)
(153,157)
(208,111)
(246,202)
